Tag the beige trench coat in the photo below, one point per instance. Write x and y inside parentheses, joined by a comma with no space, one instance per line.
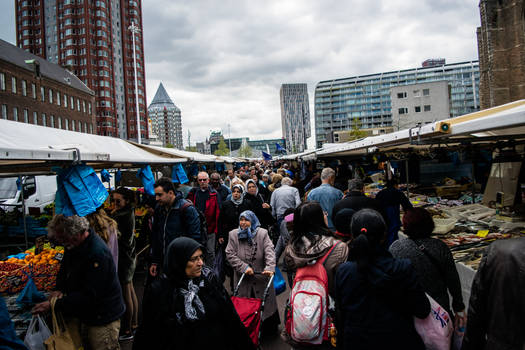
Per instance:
(260,256)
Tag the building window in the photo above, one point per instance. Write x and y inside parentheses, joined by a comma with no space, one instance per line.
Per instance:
(89,108)
(33,90)
(402,95)
(417,109)
(59,122)
(85,127)
(2,81)
(84,106)
(66,122)
(35,118)
(13,85)
(426,108)
(15,114)
(44,121)
(73,125)
(72,103)
(4,111)
(426,92)
(24,88)
(26,116)
(52,121)
(417,93)
(403,110)
(42,94)
(58,98)
(78,105)
(50,96)
(65,100)
(90,128)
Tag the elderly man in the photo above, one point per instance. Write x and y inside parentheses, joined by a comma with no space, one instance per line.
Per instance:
(87,284)
(326,194)
(283,198)
(207,200)
(228,181)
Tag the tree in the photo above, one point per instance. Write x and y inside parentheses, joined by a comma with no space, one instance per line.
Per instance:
(222,149)
(245,151)
(191,148)
(169,145)
(355,131)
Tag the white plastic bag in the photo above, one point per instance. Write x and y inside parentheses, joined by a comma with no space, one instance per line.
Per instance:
(435,330)
(37,334)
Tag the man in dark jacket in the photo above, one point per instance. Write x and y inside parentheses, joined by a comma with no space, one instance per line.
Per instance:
(87,284)
(174,217)
(222,190)
(207,200)
(391,198)
(356,200)
(496,314)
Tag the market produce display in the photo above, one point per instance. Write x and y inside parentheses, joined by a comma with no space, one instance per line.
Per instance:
(42,267)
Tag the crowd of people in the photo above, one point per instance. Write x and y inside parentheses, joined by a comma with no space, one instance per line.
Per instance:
(245,223)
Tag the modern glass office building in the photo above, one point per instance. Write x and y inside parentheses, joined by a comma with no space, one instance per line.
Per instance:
(295,116)
(339,103)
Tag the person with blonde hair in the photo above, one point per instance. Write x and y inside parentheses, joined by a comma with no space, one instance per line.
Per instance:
(106,228)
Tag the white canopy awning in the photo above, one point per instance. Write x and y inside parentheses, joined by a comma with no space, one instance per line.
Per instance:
(27,147)
(177,153)
(499,123)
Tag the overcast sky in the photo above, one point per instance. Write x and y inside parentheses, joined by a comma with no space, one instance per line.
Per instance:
(223,62)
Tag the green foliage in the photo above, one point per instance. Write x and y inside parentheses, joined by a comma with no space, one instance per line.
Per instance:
(245,151)
(356,132)
(169,145)
(191,148)
(222,149)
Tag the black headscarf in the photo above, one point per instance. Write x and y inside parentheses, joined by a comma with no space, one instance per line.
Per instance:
(178,254)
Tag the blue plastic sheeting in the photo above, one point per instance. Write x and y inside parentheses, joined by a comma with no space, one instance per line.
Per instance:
(79,191)
(146,175)
(178,175)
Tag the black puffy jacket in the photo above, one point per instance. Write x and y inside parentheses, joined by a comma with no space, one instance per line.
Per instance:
(376,308)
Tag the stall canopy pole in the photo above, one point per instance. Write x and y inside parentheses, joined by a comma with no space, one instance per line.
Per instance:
(406,171)
(473,178)
(20,179)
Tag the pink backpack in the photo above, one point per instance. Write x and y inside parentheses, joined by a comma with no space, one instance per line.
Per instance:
(307,319)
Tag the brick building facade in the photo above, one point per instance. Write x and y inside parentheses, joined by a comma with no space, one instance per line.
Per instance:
(35,91)
(92,38)
(501,47)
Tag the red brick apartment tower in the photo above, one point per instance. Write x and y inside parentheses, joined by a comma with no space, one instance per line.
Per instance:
(92,40)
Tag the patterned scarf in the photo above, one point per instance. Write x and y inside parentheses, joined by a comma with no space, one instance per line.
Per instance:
(193,307)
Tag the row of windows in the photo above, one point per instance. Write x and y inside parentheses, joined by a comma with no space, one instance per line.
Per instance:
(58,122)
(417,109)
(81,105)
(416,93)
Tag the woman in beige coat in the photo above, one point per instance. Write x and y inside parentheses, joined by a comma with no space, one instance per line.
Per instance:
(251,250)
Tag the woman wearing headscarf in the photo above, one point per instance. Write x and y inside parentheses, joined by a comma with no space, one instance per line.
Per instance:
(254,202)
(377,296)
(188,308)
(251,250)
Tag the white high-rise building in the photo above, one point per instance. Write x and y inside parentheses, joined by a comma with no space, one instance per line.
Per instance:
(295,116)
(166,120)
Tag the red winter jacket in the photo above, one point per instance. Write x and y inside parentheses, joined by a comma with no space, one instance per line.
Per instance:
(212,209)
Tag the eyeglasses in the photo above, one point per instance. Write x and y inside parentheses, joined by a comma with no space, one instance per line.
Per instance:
(194,259)
(202,180)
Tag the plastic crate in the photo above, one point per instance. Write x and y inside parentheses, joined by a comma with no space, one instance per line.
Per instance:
(443,226)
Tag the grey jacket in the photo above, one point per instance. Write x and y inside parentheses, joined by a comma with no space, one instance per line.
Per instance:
(283,198)
(298,255)
(260,256)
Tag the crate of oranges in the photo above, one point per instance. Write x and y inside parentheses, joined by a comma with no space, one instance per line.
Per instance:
(13,276)
(42,267)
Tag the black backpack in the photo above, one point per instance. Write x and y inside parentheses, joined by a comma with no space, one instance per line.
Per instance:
(202,220)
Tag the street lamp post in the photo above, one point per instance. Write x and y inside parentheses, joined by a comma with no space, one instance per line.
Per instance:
(230,140)
(135,30)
